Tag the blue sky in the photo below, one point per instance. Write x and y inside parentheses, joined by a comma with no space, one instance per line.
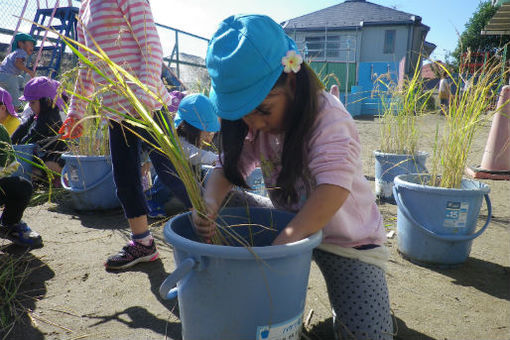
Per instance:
(444,17)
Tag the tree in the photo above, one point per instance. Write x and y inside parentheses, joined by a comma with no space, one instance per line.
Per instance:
(472,38)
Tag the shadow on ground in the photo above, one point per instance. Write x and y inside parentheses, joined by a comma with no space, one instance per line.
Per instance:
(324,331)
(405,333)
(31,290)
(491,278)
(141,317)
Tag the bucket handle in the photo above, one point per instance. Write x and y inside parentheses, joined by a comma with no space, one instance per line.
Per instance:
(65,170)
(167,291)
(452,238)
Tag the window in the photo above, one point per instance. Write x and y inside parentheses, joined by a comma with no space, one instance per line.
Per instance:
(389,41)
(330,47)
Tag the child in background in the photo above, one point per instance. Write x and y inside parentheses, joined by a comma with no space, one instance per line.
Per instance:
(196,122)
(42,126)
(275,113)
(444,93)
(13,66)
(8,117)
(137,48)
(15,193)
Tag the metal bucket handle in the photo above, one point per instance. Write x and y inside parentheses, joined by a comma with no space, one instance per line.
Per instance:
(452,238)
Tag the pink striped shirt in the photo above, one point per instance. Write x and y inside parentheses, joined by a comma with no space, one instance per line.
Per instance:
(125,30)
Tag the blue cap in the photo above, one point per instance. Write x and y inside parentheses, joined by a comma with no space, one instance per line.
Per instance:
(197,110)
(244,60)
(21,37)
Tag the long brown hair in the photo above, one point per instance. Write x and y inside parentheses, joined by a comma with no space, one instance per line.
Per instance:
(301,113)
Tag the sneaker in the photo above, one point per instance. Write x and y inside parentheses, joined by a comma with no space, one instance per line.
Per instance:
(131,254)
(22,235)
(156,210)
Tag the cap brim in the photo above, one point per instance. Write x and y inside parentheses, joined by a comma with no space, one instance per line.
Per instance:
(235,105)
(27,99)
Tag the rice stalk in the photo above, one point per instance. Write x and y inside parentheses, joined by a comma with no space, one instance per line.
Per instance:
(468,110)
(120,81)
(402,105)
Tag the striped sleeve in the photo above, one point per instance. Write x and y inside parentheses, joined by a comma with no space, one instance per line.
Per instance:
(84,84)
(139,18)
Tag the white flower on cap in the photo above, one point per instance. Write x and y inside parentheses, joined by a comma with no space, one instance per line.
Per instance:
(292,62)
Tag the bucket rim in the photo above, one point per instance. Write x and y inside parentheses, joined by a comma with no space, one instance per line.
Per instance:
(69,155)
(17,147)
(476,187)
(238,253)
(379,153)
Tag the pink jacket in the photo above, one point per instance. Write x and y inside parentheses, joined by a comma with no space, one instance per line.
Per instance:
(334,158)
(125,30)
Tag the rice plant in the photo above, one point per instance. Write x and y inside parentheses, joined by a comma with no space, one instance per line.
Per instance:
(123,83)
(402,104)
(468,110)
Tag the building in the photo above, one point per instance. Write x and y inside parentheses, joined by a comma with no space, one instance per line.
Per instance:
(357,41)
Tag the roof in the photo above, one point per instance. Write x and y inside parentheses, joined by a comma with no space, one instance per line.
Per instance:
(350,14)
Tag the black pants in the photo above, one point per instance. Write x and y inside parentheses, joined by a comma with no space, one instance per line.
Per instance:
(125,152)
(15,193)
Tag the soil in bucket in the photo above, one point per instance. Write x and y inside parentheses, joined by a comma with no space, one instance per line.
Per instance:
(235,291)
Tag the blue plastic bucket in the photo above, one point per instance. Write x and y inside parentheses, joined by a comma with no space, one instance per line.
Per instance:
(234,292)
(389,165)
(89,180)
(24,154)
(436,225)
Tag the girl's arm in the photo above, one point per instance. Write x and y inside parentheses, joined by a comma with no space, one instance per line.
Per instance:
(19,63)
(216,190)
(318,210)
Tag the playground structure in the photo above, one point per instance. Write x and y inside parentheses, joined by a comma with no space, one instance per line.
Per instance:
(50,53)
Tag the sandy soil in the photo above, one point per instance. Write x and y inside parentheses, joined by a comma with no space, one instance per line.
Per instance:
(69,295)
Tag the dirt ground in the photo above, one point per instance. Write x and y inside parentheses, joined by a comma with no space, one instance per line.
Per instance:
(69,295)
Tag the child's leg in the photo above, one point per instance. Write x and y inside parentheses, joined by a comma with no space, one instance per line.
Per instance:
(10,83)
(125,154)
(15,193)
(124,150)
(358,295)
(165,169)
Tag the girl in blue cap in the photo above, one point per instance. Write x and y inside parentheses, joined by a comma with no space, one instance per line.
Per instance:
(13,66)
(196,122)
(276,114)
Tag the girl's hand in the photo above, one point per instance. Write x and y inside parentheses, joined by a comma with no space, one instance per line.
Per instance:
(31,73)
(71,128)
(288,235)
(205,227)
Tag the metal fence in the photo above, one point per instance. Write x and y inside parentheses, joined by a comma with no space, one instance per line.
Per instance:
(184,53)
(12,10)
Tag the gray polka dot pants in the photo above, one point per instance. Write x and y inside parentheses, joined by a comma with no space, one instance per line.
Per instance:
(358,295)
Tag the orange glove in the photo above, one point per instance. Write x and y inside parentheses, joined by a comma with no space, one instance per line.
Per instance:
(71,128)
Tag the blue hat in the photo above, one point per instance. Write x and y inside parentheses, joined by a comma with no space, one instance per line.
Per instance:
(244,60)
(197,110)
(21,37)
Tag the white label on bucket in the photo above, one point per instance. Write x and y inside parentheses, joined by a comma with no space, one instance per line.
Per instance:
(456,214)
(73,172)
(287,330)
